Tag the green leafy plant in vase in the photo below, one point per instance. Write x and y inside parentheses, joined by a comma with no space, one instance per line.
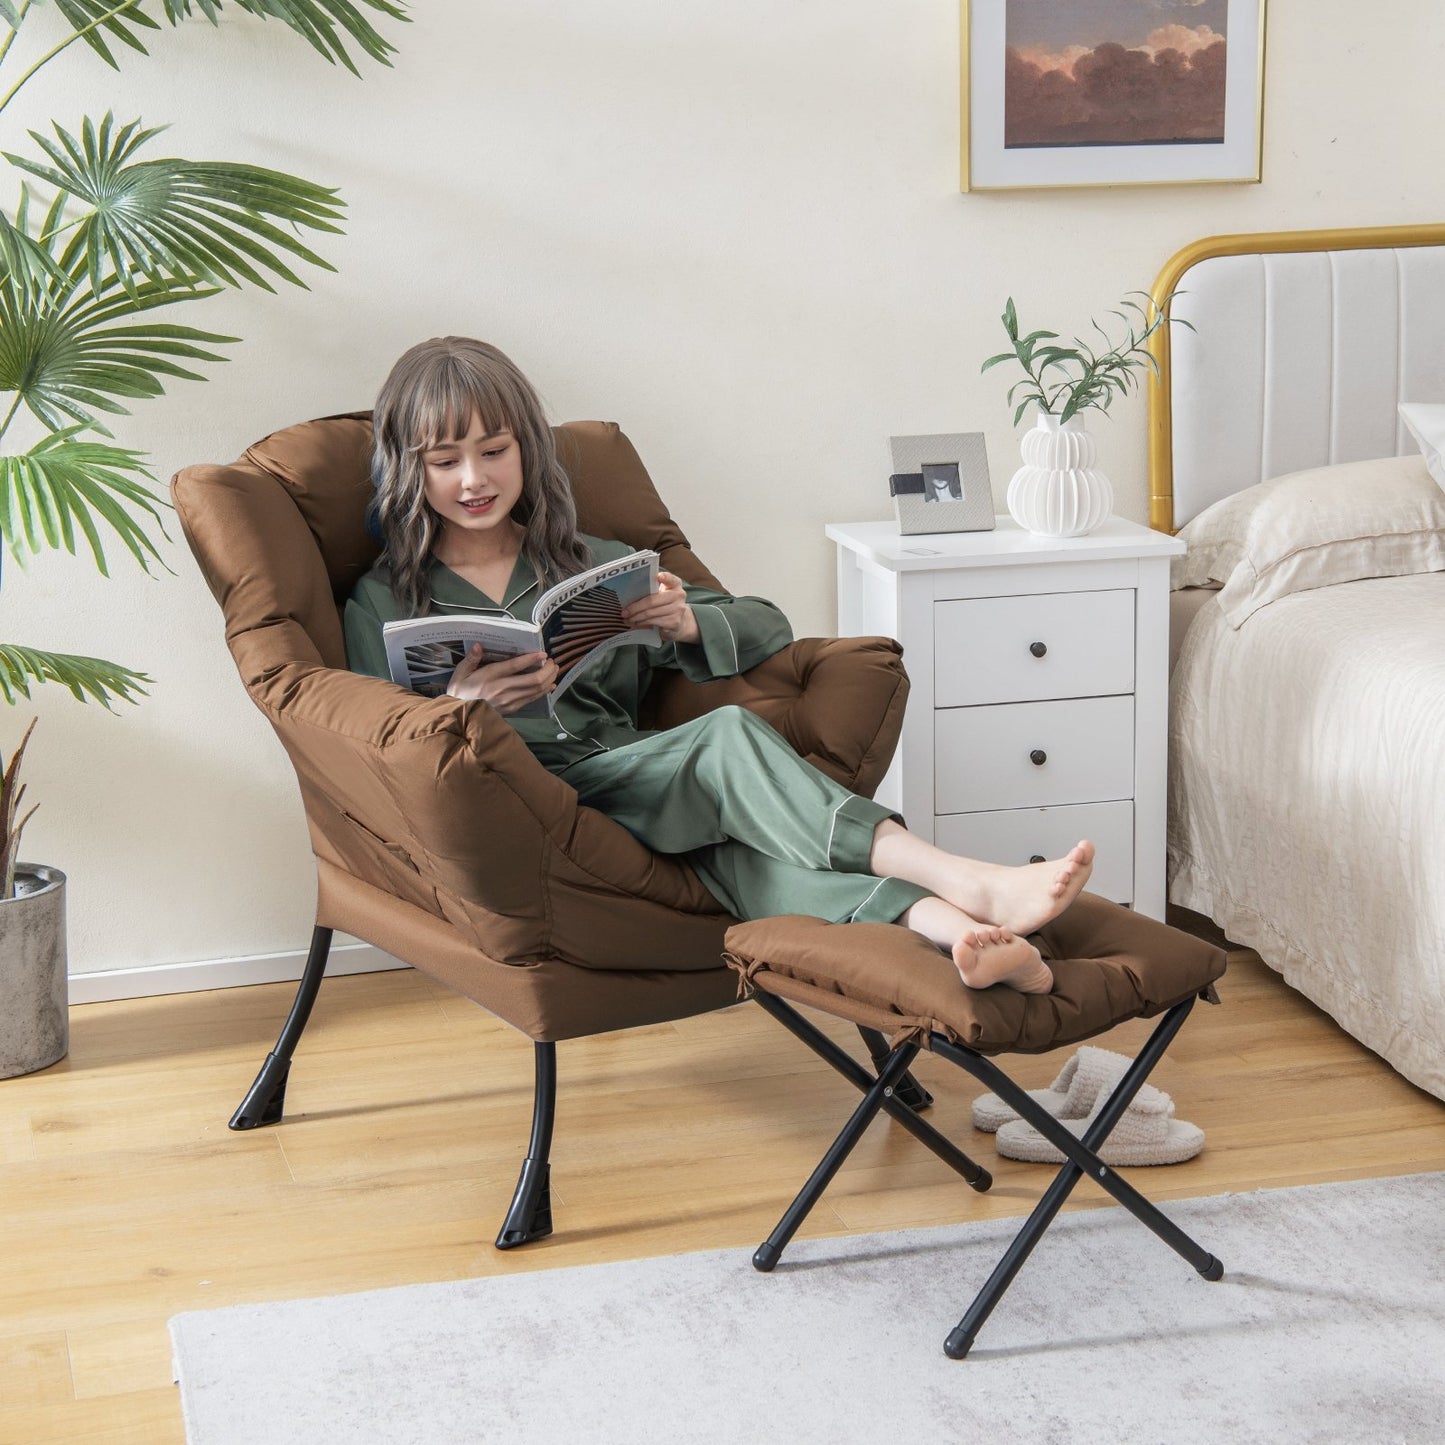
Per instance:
(1059,492)
(104,239)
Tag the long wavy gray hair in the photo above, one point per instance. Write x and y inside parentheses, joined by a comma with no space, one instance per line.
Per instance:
(430,398)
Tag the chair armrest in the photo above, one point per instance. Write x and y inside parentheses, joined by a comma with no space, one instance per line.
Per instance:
(438,801)
(839,701)
(402,768)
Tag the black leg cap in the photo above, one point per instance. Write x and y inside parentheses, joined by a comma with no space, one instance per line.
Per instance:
(766,1256)
(958,1344)
(265,1101)
(530,1216)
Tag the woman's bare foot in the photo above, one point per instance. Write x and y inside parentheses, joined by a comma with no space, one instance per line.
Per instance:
(983,954)
(1024,899)
(1019,899)
(986,956)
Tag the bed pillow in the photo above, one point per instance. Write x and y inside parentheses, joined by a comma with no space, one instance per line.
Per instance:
(1426,423)
(1312,529)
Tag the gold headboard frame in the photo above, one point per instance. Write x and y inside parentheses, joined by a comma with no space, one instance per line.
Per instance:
(1161,432)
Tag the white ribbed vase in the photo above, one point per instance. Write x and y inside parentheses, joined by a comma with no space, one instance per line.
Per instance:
(1058,492)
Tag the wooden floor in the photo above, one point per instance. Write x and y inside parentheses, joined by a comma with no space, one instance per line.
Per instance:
(124,1198)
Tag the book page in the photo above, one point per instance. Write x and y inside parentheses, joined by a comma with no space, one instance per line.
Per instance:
(629,579)
(423,652)
(638,636)
(581,618)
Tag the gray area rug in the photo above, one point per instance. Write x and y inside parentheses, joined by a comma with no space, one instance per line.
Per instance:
(1329,1325)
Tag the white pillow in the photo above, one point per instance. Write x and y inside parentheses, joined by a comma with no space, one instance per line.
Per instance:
(1311,529)
(1426,423)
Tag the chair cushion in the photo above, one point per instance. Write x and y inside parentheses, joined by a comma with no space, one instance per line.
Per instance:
(1110,964)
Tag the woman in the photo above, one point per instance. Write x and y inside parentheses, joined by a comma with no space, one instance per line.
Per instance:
(476,515)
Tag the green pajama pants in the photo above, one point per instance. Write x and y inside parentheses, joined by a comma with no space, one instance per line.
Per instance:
(764,830)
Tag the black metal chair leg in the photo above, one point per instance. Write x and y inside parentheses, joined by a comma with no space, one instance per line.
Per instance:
(909,1091)
(530,1216)
(974,1174)
(884,1088)
(1080,1158)
(266,1098)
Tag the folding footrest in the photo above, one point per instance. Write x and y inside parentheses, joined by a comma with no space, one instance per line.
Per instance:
(1109,965)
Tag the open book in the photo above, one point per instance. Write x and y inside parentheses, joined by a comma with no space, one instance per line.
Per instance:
(574,623)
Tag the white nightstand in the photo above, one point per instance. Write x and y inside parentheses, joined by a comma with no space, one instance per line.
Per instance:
(1038,713)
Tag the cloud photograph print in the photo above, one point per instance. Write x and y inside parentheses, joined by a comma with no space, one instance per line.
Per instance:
(1114,72)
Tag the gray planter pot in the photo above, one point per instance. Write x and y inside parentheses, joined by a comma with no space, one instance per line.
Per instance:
(34,1001)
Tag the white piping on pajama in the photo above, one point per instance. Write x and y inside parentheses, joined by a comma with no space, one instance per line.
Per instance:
(722,612)
(832,828)
(866,901)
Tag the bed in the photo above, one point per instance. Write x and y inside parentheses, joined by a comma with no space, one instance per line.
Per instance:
(1307,693)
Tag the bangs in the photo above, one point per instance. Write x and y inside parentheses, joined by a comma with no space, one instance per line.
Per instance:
(446,400)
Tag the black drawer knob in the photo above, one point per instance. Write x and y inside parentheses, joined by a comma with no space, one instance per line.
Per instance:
(1036,858)
(1038,648)
(1038,757)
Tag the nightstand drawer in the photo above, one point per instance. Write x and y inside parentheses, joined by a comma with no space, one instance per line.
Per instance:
(1019,835)
(1046,645)
(1033,754)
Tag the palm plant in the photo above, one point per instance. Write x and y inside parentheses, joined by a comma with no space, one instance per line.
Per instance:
(101,240)
(1062,381)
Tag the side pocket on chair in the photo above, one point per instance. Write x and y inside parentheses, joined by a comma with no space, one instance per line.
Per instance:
(395,849)
(385,865)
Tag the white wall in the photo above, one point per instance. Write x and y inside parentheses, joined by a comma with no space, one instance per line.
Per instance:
(733,227)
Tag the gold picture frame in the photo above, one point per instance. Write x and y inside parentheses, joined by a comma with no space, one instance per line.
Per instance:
(1035,87)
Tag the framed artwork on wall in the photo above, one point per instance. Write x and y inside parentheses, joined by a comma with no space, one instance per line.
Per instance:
(1111,92)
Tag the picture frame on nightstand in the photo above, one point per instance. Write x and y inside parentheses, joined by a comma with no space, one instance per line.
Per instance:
(939,483)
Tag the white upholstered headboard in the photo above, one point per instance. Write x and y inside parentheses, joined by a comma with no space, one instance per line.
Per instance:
(1304,345)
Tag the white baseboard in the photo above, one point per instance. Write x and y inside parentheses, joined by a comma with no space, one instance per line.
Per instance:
(117,983)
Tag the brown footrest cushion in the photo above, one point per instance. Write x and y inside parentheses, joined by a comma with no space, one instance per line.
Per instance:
(1109,964)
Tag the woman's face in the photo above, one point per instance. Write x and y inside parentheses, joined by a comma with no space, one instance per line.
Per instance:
(473,483)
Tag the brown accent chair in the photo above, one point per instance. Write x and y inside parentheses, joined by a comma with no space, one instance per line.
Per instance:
(438,837)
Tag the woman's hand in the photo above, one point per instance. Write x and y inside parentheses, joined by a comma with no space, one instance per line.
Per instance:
(666,610)
(508,685)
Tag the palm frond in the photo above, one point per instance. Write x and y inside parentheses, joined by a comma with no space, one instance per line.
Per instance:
(68,358)
(117,19)
(321,23)
(63,484)
(173,218)
(21,255)
(88,678)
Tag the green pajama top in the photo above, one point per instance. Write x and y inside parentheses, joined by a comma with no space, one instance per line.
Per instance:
(599,711)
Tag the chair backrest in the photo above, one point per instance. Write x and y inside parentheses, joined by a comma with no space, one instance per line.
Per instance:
(281,536)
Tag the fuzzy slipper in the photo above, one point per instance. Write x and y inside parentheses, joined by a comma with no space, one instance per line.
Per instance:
(1072,1095)
(1147,1133)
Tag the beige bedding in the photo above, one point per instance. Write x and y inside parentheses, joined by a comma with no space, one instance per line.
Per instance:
(1307,801)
